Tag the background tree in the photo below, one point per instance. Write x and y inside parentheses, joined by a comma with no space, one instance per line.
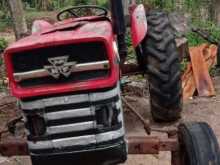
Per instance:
(94,2)
(17,14)
(44,5)
(218,12)
(126,7)
(82,2)
(215,12)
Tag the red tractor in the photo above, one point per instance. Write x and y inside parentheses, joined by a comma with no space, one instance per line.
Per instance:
(66,77)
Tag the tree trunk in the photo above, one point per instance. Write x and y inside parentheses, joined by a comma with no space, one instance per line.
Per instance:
(179,4)
(126,7)
(94,2)
(217,12)
(44,4)
(17,14)
(205,11)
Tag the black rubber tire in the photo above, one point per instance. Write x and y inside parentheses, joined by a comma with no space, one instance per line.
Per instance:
(163,67)
(198,144)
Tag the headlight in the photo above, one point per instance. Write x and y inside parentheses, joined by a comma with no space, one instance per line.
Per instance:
(36,124)
(107,115)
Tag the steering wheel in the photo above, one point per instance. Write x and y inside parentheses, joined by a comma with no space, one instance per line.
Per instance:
(82,11)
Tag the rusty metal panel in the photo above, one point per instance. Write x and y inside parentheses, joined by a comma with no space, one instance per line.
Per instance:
(210,54)
(196,76)
(151,145)
(200,69)
(188,83)
(143,145)
(169,144)
(13,147)
(136,145)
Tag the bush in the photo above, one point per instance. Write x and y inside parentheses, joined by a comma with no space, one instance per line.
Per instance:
(32,15)
(194,39)
(131,52)
(214,31)
(3,44)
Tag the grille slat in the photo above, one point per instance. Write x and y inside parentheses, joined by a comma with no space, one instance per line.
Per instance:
(77,141)
(71,127)
(69,114)
(71,99)
(41,73)
(74,78)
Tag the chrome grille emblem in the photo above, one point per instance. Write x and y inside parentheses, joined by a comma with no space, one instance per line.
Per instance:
(60,66)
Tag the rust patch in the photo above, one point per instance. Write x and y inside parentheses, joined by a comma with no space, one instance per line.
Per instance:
(14,147)
(196,76)
(188,83)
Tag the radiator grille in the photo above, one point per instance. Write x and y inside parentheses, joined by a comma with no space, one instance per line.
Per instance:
(38,58)
(71,126)
(75,77)
(30,62)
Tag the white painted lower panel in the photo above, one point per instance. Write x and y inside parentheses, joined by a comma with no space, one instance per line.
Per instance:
(75,141)
(103,137)
(63,100)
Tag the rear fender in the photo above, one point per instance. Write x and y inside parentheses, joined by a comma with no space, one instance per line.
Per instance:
(40,25)
(138,24)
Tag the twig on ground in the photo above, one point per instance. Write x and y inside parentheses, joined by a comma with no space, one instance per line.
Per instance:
(143,121)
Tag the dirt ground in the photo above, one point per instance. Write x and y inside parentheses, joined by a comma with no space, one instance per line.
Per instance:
(197,109)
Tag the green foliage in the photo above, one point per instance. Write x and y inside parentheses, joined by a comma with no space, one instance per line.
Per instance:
(33,14)
(131,52)
(35,9)
(210,27)
(213,71)
(60,4)
(194,39)
(3,44)
(183,64)
(214,31)
(103,3)
(81,2)
(5,20)
(4,25)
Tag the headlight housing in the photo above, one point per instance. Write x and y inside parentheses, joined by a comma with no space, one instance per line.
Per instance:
(36,124)
(107,116)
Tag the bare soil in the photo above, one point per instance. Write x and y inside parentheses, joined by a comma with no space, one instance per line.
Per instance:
(197,109)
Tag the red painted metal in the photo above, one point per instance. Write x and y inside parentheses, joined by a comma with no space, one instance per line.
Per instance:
(138,24)
(90,32)
(40,25)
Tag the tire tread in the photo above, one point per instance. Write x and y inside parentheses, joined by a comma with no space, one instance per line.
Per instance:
(163,67)
(199,143)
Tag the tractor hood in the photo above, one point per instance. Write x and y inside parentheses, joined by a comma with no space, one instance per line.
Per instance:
(64,33)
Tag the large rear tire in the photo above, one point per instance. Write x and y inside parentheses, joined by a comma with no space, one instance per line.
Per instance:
(198,144)
(163,66)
